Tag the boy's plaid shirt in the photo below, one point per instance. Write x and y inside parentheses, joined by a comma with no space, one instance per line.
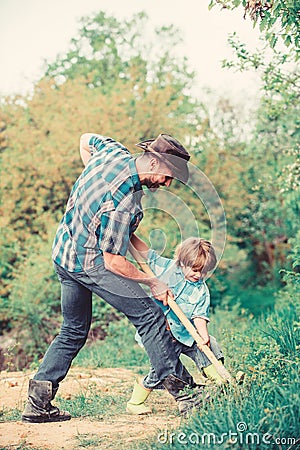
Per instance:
(192,297)
(103,210)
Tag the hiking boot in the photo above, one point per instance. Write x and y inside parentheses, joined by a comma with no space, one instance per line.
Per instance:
(187,397)
(39,408)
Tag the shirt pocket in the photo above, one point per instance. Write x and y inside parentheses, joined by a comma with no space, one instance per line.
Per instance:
(107,204)
(105,209)
(115,231)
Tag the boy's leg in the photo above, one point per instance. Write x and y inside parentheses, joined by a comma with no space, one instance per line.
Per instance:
(128,297)
(136,404)
(203,363)
(141,391)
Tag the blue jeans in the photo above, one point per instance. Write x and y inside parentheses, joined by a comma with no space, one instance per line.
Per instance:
(126,296)
(200,359)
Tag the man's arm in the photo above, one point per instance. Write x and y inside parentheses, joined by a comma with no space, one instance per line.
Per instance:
(85,151)
(121,266)
(140,246)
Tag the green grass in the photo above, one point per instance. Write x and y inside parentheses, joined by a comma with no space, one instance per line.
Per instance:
(119,349)
(261,413)
(88,441)
(9,415)
(94,404)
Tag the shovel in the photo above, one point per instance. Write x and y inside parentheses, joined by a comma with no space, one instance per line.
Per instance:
(222,371)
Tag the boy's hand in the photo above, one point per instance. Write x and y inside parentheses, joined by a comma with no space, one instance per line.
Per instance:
(161,291)
(201,326)
(206,341)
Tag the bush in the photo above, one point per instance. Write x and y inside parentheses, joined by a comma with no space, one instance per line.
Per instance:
(34,305)
(34,311)
(264,411)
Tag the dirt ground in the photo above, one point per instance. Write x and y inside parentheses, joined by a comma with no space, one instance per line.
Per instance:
(117,431)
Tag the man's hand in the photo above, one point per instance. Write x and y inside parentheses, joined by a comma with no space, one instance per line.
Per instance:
(119,265)
(161,291)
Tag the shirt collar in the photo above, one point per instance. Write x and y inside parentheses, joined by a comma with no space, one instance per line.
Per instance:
(193,283)
(134,175)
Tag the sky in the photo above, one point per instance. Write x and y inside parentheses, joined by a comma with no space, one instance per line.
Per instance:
(32,31)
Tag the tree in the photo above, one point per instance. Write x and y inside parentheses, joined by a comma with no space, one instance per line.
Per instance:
(279,20)
(121,94)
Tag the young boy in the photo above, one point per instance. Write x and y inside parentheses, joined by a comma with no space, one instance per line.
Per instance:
(185,275)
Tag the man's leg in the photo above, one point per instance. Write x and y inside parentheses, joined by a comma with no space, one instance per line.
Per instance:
(76,303)
(128,297)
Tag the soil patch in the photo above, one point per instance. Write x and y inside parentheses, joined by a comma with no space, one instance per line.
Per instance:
(117,431)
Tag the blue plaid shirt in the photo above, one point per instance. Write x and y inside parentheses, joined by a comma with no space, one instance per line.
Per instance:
(103,210)
(192,297)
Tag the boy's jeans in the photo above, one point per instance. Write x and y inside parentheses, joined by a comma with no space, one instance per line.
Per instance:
(126,296)
(151,381)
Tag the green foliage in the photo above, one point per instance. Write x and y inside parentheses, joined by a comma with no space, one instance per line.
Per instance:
(34,304)
(285,331)
(9,415)
(92,403)
(112,82)
(107,50)
(112,353)
(277,19)
(265,405)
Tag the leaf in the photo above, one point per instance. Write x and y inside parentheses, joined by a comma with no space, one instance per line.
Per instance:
(288,40)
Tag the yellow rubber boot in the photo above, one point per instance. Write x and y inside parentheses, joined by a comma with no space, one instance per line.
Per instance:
(212,373)
(136,404)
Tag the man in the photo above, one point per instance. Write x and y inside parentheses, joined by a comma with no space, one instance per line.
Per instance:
(89,252)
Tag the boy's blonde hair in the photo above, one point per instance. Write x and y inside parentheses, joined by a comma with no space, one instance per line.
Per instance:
(196,253)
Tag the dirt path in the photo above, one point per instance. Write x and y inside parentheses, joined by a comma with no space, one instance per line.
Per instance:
(117,431)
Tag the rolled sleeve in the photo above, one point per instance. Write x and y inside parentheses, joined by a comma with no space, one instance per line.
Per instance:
(202,307)
(96,143)
(158,264)
(115,232)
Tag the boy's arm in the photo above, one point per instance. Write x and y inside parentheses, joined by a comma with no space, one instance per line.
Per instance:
(201,326)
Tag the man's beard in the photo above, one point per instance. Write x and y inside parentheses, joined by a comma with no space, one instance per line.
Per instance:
(152,185)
